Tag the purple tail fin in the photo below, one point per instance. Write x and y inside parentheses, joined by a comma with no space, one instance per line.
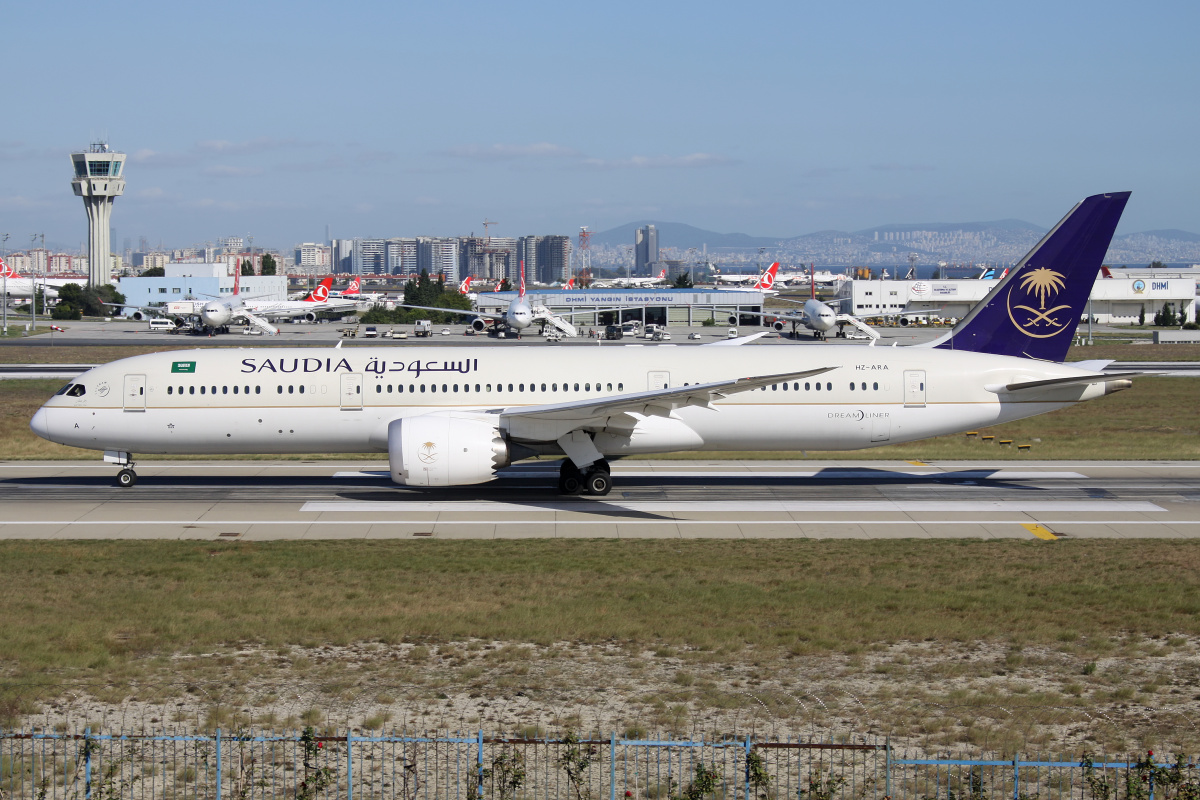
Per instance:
(1034,310)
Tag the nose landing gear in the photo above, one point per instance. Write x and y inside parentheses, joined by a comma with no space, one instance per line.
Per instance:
(126,477)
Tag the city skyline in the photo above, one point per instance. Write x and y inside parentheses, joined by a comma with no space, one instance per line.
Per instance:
(774,120)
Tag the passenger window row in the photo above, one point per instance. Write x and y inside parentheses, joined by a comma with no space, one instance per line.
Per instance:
(446,388)
(212,390)
(828,386)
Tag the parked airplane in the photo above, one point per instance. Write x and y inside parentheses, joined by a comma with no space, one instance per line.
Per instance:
(630,283)
(465,286)
(217,314)
(818,317)
(452,416)
(16,286)
(765,282)
(354,292)
(519,315)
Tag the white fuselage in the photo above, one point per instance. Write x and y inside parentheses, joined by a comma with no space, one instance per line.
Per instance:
(308,400)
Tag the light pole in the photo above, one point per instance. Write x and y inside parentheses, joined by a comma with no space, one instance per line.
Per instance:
(33,289)
(5,297)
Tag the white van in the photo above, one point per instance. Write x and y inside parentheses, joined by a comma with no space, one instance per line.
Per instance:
(162,325)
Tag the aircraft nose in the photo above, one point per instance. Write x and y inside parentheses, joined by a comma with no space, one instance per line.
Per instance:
(40,424)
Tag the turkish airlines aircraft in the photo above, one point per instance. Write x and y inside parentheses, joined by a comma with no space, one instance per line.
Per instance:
(16,286)
(818,317)
(634,282)
(450,416)
(764,284)
(519,315)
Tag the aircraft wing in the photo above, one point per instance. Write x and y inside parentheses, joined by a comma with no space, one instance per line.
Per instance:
(548,422)
(155,310)
(483,314)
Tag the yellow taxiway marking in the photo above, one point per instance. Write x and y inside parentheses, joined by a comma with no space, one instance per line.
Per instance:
(1040,531)
(918,463)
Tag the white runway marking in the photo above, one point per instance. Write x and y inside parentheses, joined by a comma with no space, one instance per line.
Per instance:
(757,506)
(197,525)
(829,472)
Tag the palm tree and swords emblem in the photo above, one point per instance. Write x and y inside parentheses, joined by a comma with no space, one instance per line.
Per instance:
(1042,283)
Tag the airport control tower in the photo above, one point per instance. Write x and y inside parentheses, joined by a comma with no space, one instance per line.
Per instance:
(98,181)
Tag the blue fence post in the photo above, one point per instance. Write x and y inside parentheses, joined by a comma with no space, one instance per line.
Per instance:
(481,762)
(612,766)
(1016,775)
(349,766)
(887,766)
(748,746)
(87,763)
(218,764)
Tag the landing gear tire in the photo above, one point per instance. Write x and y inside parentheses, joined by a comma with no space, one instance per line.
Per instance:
(126,478)
(570,479)
(598,482)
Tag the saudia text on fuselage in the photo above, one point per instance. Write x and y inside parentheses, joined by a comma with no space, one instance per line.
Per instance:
(377,366)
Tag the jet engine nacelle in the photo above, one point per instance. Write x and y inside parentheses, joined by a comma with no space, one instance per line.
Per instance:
(777,325)
(733,319)
(478,325)
(310,317)
(445,449)
(138,316)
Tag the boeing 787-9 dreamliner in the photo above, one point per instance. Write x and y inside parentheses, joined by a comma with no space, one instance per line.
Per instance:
(448,416)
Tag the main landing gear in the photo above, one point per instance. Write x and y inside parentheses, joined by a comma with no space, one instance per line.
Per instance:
(126,478)
(595,480)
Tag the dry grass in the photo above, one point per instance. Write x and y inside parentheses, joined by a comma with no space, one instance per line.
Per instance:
(75,606)
(925,640)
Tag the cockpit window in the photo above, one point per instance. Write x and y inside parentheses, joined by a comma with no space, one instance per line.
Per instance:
(63,390)
(76,390)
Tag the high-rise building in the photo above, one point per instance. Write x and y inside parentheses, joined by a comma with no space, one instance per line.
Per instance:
(401,256)
(547,258)
(341,257)
(488,259)
(645,243)
(312,258)
(98,181)
(438,256)
(370,257)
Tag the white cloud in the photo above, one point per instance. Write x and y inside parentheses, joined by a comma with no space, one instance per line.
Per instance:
(259,145)
(507,152)
(225,171)
(690,161)
(902,168)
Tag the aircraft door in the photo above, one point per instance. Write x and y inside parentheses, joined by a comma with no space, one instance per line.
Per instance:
(135,393)
(881,429)
(352,385)
(914,388)
(658,380)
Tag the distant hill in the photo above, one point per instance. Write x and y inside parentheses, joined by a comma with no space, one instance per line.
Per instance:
(679,235)
(1170,234)
(1006,225)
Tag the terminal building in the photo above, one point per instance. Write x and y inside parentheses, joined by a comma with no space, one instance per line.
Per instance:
(666,306)
(1121,299)
(199,282)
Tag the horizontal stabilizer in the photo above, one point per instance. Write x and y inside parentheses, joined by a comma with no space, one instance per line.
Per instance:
(1079,380)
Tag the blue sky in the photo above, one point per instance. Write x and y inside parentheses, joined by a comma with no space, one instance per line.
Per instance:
(776,119)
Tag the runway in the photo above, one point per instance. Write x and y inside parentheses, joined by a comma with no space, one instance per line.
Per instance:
(269,500)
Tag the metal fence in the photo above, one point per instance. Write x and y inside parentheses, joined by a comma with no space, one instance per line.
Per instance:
(469,767)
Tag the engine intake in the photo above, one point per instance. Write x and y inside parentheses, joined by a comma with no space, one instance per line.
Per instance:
(478,325)
(445,449)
